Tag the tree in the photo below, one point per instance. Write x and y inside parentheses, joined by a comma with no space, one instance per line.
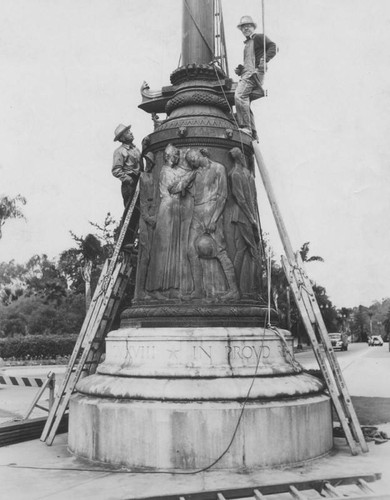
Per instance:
(359,326)
(304,251)
(386,324)
(12,281)
(10,208)
(328,311)
(69,265)
(44,279)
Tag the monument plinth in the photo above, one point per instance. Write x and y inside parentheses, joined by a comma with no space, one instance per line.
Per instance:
(192,363)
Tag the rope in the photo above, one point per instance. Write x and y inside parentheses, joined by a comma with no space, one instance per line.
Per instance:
(230,108)
(264,44)
(269,287)
(224,60)
(286,350)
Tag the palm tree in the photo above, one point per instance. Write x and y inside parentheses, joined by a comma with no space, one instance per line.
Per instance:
(10,209)
(304,251)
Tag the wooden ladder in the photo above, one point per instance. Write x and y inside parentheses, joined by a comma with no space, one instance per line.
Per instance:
(97,323)
(358,487)
(314,323)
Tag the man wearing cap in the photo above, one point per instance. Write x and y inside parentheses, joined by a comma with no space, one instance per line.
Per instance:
(127,162)
(257,52)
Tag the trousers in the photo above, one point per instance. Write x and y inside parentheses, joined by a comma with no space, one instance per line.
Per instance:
(248,89)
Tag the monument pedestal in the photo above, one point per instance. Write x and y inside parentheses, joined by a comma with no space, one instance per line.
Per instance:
(172,398)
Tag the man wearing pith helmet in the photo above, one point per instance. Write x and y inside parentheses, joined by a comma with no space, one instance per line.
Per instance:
(127,162)
(258,51)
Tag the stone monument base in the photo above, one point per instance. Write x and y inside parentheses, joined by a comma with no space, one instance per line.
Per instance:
(173,398)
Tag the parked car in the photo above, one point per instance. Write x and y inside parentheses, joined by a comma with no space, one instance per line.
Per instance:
(339,341)
(375,340)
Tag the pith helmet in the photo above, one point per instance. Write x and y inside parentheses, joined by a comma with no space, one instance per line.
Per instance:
(119,131)
(246,20)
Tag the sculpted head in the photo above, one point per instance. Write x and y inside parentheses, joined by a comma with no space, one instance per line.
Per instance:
(238,156)
(193,158)
(171,155)
(149,162)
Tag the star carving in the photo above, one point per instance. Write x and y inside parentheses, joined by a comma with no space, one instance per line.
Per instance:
(173,353)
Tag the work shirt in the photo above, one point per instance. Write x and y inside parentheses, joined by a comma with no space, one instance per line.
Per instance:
(127,161)
(254,51)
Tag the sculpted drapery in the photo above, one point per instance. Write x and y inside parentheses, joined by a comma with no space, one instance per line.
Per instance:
(186,256)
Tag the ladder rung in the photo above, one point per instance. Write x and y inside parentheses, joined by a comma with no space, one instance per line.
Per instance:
(42,407)
(296,494)
(258,495)
(364,486)
(328,488)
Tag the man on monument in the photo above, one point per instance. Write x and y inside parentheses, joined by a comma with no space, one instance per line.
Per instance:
(257,52)
(127,162)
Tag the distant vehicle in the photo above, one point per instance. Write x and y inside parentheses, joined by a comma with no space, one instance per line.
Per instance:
(375,340)
(339,341)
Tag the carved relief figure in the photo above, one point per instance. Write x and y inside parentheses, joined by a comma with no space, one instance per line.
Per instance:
(206,237)
(164,273)
(247,262)
(147,224)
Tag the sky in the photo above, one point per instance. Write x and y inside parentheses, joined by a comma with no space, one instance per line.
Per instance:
(71,71)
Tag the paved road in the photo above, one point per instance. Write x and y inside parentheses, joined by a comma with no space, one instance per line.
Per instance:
(366,369)
(15,401)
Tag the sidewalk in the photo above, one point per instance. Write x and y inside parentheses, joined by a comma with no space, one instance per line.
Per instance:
(34,471)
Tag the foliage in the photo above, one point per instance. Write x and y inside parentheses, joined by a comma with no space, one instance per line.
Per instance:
(386,324)
(32,316)
(37,347)
(107,234)
(46,296)
(304,251)
(12,285)
(69,265)
(44,279)
(10,208)
(360,324)
(375,319)
(92,249)
(289,315)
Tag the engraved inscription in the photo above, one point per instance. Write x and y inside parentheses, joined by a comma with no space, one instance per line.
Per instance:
(141,352)
(173,353)
(247,352)
(201,352)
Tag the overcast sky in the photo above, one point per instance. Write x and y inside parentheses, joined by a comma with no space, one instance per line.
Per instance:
(71,70)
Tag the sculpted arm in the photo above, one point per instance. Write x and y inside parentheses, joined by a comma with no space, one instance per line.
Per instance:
(183,183)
